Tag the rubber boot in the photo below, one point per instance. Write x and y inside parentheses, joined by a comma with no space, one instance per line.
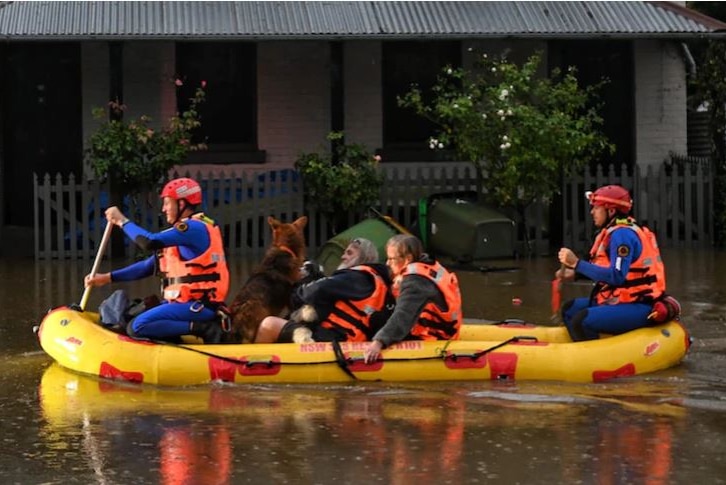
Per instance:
(210,332)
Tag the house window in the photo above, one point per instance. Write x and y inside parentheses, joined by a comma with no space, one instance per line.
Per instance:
(406,134)
(229,112)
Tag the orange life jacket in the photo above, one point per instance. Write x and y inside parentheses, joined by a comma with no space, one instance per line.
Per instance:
(435,323)
(205,277)
(645,280)
(353,317)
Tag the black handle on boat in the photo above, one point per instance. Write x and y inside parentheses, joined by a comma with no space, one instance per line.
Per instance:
(476,355)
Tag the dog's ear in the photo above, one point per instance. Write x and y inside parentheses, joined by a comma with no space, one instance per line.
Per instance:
(274,223)
(300,222)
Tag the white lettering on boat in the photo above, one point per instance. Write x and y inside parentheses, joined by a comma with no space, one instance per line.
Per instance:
(357,346)
(408,345)
(315,347)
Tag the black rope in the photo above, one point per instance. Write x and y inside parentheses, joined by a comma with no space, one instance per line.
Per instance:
(341,360)
(477,355)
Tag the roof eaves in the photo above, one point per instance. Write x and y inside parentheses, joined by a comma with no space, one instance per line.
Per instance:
(382,36)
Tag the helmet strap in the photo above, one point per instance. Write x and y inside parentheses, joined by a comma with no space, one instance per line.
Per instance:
(179,211)
(612,215)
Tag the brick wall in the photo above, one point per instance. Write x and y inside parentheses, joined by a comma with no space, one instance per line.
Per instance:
(148,71)
(293,110)
(148,80)
(363,92)
(294,93)
(94,84)
(660,101)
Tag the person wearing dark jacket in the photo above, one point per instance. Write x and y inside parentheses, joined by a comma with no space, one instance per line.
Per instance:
(349,305)
(428,299)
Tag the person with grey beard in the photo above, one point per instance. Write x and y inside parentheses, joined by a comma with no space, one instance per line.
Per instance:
(350,305)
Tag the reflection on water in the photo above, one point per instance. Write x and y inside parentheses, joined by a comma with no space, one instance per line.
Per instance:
(663,428)
(536,433)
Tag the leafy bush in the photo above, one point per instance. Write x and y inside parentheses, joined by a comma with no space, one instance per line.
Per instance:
(136,157)
(344,180)
(524,132)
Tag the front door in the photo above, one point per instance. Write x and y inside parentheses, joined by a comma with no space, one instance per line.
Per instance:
(42,130)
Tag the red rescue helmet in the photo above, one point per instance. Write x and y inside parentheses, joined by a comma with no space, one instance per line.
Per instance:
(611,197)
(183,188)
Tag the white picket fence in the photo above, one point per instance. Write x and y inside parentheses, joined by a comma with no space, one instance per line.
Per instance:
(675,199)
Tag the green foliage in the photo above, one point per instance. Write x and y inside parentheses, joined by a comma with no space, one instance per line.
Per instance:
(346,180)
(524,132)
(136,157)
(709,88)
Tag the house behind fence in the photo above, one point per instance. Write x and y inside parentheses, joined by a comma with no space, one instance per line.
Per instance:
(675,199)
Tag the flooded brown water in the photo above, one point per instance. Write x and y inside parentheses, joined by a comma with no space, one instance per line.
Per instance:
(667,427)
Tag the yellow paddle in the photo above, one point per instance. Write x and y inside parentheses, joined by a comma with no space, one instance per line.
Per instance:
(391,222)
(96,264)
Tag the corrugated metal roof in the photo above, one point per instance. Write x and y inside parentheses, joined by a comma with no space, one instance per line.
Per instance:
(541,18)
(270,20)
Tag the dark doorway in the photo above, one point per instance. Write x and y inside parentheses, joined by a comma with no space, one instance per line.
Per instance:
(42,129)
(613,60)
(595,60)
(229,113)
(405,133)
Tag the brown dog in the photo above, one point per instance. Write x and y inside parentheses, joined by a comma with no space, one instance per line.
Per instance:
(267,290)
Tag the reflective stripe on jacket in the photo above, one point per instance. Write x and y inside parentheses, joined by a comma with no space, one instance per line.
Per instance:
(205,277)
(435,323)
(645,280)
(353,317)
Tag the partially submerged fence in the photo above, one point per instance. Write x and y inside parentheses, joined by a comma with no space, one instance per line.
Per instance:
(675,199)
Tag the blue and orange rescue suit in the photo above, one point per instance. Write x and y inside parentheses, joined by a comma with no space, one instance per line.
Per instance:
(626,265)
(351,304)
(195,279)
(428,305)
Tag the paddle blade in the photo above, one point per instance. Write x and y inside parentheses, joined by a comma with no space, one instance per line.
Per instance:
(556,295)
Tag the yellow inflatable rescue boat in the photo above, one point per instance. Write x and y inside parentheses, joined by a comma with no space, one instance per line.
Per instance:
(510,350)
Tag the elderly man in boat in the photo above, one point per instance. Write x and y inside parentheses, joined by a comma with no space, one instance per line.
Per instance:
(349,305)
(428,299)
(626,266)
(190,258)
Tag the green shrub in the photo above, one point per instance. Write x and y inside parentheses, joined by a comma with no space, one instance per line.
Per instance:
(344,180)
(135,157)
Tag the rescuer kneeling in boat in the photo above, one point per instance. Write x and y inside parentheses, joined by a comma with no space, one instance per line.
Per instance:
(191,263)
(627,269)
(428,299)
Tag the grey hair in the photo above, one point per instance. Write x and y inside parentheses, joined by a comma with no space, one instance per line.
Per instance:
(367,252)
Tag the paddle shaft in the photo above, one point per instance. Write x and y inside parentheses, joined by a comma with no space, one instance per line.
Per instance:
(96,263)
